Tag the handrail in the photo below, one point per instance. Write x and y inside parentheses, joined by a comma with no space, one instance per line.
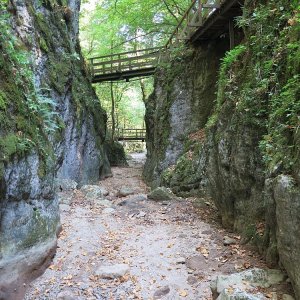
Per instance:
(179,24)
(198,6)
(149,55)
(126,53)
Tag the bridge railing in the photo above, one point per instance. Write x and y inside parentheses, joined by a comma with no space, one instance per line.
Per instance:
(123,134)
(126,61)
(193,18)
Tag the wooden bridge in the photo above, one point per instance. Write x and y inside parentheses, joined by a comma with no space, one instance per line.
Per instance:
(123,134)
(126,65)
(203,20)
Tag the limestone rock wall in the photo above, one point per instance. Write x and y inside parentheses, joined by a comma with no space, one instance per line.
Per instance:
(180,104)
(245,155)
(52,126)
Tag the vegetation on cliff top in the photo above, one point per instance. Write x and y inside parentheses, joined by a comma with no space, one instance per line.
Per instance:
(261,78)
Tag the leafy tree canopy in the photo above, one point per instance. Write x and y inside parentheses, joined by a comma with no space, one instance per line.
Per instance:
(120,25)
(114,26)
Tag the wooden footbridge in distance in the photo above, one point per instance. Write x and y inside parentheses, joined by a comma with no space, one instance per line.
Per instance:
(124,134)
(204,20)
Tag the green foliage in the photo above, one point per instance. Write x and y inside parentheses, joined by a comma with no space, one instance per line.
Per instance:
(280,145)
(44,109)
(128,24)
(129,106)
(260,80)
(118,26)
(230,58)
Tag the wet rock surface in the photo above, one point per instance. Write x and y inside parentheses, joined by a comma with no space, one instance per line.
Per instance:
(156,242)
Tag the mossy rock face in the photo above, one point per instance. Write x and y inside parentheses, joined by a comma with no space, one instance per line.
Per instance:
(115,154)
(252,135)
(183,99)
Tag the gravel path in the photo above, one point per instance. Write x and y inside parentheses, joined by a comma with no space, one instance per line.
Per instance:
(170,250)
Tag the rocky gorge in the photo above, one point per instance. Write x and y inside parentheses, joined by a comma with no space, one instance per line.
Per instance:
(222,149)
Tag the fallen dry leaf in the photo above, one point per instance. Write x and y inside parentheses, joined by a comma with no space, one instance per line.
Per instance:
(183,293)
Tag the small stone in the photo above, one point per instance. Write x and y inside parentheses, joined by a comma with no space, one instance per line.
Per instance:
(125,191)
(108,210)
(182,235)
(66,295)
(287,297)
(197,262)
(139,198)
(180,261)
(141,214)
(228,241)
(252,277)
(64,207)
(191,280)
(112,272)
(103,202)
(161,292)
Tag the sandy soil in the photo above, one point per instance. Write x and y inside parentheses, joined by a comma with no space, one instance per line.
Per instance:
(170,244)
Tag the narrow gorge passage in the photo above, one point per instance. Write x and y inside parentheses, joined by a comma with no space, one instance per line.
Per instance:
(167,249)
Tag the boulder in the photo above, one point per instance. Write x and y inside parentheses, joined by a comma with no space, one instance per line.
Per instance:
(228,241)
(125,191)
(66,184)
(242,281)
(228,294)
(94,191)
(161,194)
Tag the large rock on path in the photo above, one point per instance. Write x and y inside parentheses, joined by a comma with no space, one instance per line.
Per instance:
(112,272)
(161,194)
(125,191)
(237,284)
(228,294)
(94,191)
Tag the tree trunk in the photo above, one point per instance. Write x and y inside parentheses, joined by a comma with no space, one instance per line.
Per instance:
(113,125)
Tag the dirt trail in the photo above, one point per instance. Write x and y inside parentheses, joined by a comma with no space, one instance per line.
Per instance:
(171,248)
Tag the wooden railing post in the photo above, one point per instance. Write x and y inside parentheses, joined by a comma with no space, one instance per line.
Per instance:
(200,12)
(92,65)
